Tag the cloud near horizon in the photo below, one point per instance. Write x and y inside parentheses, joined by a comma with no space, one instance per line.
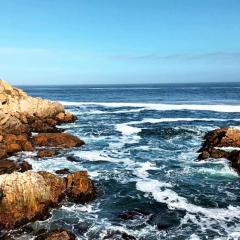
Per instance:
(216,56)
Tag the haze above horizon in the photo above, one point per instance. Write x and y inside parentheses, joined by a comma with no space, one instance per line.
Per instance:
(119,42)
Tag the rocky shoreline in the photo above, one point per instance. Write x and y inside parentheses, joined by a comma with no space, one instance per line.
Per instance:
(30,124)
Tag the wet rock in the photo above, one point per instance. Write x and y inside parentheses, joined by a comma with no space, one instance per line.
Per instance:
(80,188)
(63,171)
(118,235)
(28,196)
(223,137)
(132,214)
(164,221)
(62,140)
(24,166)
(47,153)
(72,158)
(8,166)
(13,148)
(56,235)
(65,117)
(234,157)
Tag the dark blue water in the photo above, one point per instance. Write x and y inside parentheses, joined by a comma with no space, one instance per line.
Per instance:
(142,143)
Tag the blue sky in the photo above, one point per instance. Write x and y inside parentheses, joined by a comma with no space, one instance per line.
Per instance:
(124,41)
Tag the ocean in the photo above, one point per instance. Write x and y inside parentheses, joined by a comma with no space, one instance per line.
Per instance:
(141,150)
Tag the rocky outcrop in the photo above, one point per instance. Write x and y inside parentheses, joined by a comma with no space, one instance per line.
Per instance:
(28,196)
(56,235)
(20,115)
(47,153)
(80,188)
(8,166)
(62,140)
(222,138)
(15,100)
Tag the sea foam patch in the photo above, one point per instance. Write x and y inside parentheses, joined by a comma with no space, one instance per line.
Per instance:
(163,193)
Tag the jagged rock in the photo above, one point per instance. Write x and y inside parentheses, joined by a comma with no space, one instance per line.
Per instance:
(222,137)
(65,117)
(63,171)
(15,100)
(118,235)
(28,196)
(56,235)
(63,140)
(47,153)
(80,188)
(8,166)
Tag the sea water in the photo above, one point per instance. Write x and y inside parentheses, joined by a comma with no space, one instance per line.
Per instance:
(141,150)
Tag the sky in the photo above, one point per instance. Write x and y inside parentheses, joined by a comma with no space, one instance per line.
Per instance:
(119,41)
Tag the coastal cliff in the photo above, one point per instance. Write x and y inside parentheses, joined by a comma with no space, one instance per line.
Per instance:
(27,195)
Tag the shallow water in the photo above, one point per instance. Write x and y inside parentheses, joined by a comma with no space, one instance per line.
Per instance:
(142,144)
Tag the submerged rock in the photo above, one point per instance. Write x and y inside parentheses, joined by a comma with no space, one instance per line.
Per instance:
(56,235)
(63,171)
(217,140)
(118,235)
(62,140)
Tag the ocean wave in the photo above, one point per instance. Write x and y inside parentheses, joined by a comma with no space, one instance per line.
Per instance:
(160,106)
(161,192)
(126,129)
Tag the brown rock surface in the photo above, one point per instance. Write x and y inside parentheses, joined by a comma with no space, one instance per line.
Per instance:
(63,140)
(80,188)
(26,196)
(222,137)
(46,153)
(56,235)
(8,166)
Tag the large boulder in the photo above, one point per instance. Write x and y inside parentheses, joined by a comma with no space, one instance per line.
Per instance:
(15,100)
(56,235)
(217,140)
(80,188)
(28,196)
(62,140)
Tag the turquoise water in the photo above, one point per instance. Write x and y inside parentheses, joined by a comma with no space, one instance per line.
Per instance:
(141,149)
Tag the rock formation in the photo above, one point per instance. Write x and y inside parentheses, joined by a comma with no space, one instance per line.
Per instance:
(217,140)
(28,196)
(56,235)
(20,115)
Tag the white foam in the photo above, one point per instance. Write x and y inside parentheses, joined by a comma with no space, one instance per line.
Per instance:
(161,193)
(100,156)
(92,156)
(228,149)
(160,106)
(127,130)
(141,172)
